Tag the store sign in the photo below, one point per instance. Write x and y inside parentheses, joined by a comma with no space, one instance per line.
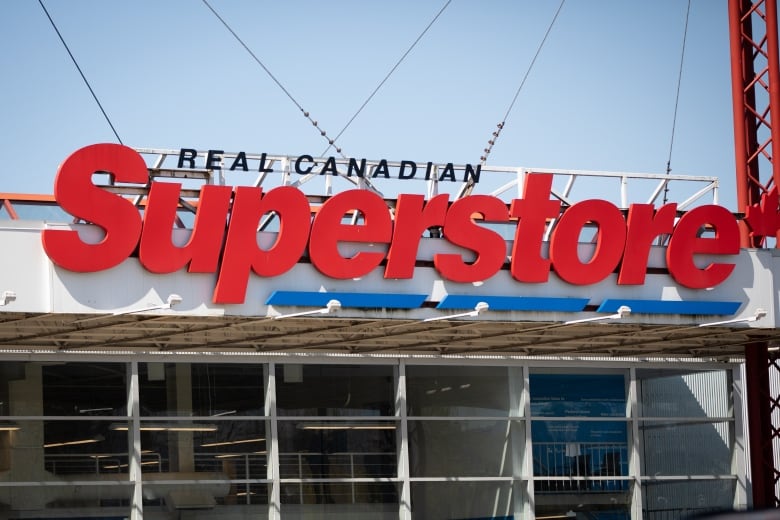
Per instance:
(306,165)
(224,235)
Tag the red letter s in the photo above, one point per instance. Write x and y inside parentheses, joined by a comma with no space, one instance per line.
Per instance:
(76,194)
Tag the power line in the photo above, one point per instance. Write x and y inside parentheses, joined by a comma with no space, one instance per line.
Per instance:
(94,96)
(677,98)
(468,186)
(305,113)
(405,54)
(500,125)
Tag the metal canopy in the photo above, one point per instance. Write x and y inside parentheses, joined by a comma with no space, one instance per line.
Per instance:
(29,332)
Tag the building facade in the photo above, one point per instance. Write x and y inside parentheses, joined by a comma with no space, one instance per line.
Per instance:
(370,438)
(197,373)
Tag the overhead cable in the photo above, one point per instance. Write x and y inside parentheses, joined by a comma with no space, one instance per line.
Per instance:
(468,186)
(94,96)
(305,112)
(677,98)
(405,54)
(500,125)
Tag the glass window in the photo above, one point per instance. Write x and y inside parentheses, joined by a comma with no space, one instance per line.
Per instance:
(679,448)
(579,448)
(337,449)
(670,393)
(226,449)
(461,391)
(205,499)
(201,389)
(34,449)
(77,389)
(204,434)
(578,395)
(364,500)
(478,500)
(465,448)
(75,447)
(579,464)
(686,499)
(565,506)
(335,390)
(61,500)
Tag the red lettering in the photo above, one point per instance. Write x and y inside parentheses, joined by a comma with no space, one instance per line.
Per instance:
(532,212)
(619,243)
(644,226)
(412,217)
(327,231)
(158,254)
(686,243)
(610,238)
(242,251)
(76,194)
(461,230)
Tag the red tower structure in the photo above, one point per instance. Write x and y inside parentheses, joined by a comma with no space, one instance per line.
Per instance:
(755,74)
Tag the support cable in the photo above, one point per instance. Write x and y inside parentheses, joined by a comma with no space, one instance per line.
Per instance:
(522,83)
(677,100)
(94,96)
(305,112)
(468,186)
(405,54)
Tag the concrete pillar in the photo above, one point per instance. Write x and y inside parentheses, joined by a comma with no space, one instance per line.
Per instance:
(26,456)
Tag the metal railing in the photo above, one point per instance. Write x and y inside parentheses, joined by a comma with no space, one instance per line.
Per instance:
(97,463)
(270,170)
(580,467)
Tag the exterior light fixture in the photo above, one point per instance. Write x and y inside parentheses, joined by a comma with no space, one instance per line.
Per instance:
(173,299)
(331,307)
(170,302)
(7,297)
(760,313)
(623,311)
(479,308)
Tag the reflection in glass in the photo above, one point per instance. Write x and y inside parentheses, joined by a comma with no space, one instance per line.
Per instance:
(201,389)
(686,499)
(578,395)
(337,449)
(464,448)
(224,449)
(579,465)
(55,500)
(675,448)
(447,500)
(209,498)
(580,449)
(360,499)
(40,450)
(77,389)
(667,393)
(334,390)
(458,391)
(572,504)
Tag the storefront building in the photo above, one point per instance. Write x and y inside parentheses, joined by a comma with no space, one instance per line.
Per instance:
(370,360)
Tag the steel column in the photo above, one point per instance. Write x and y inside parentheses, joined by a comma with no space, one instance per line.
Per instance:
(760,428)
(755,75)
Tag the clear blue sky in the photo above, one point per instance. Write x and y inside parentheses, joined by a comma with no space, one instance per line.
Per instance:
(600,97)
